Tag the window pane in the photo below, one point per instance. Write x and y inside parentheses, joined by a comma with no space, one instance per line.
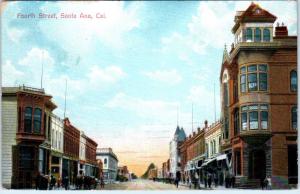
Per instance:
(37,120)
(264,107)
(253,107)
(263,81)
(28,119)
(243,69)
(252,82)
(264,119)
(267,35)
(294,117)
(253,120)
(252,68)
(257,35)
(244,108)
(294,81)
(243,83)
(244,121)
(249,34)
(263,68)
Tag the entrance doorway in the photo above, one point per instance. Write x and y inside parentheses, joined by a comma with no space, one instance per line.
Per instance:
(257,164)
(292,164)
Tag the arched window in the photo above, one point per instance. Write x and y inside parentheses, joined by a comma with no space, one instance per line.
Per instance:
(294,117)
(28,119)
(267,35)
(249,34)
(37,120)
(105,161)
(257,35)
(294,80)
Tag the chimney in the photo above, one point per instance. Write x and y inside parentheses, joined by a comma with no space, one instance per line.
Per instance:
(205,123)
(198,129)
(190,136)
(194,133)
(281,31)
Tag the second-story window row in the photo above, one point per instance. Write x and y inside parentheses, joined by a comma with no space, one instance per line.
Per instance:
(254,117)
(254,78)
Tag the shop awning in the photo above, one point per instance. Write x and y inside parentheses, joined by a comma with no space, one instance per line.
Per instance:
(222,157)
(208,161)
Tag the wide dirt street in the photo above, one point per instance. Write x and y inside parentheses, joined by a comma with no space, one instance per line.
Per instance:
(141,184)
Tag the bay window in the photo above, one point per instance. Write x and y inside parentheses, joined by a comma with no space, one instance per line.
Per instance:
(254,117)
(255,76)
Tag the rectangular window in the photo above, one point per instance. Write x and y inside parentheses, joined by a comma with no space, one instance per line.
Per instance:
(243,83)
(253,120)
(252,82)
(244,121)
(28,119)
(264,120)
(263,81)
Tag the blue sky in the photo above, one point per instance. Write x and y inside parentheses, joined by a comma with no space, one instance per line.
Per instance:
(127,73)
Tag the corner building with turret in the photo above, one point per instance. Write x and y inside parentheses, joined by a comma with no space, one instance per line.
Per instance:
(258,81)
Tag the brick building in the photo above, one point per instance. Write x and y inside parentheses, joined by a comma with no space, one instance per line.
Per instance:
(71,151)
(259,100)
(25,118)
(193,153)
(90,155)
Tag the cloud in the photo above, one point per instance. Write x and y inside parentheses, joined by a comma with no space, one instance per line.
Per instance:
(144,108)
(89,30)
(109,74)
(211,27)
(11,75)
(15,34)
(36,57)
(171,77)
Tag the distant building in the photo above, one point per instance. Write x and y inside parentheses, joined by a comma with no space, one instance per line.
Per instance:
(57,146)
(152,173)
(123,171)
(71,151)
(110,163)
(178,138)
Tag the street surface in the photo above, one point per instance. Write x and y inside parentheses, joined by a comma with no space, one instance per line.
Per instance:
(141,184)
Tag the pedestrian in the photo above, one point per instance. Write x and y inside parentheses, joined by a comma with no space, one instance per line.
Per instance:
(176,182)
(233,181)
(209,178)
(66,182)
(44,183)
(216,179)
(52,182)
(101,183)
(205,180)
(269,185)
(266,183)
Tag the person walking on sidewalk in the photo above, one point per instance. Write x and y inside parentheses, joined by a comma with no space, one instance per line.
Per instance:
(209,179)
(176,182)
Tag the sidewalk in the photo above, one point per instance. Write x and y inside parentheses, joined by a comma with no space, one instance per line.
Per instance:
(202,187)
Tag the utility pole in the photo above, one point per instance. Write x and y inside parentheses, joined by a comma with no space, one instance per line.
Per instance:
(215,102)
(192,117)
(65,99)
(42,74)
